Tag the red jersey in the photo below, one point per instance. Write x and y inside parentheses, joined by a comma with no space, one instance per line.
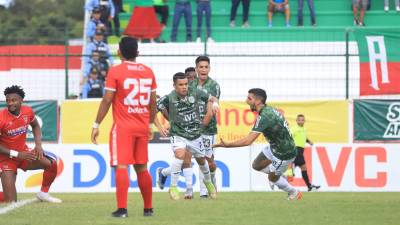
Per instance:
(132,83)
(13,128)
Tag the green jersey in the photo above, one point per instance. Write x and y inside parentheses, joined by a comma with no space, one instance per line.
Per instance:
(211,87)
(183,113)
(276,130)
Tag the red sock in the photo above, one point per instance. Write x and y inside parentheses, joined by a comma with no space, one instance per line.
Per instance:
(49,175)
(145,185)
(122,183)
(1,197)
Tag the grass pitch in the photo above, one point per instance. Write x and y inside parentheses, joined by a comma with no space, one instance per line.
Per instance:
(247,208)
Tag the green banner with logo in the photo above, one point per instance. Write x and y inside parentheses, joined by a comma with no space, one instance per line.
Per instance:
(377,120)
(47,116)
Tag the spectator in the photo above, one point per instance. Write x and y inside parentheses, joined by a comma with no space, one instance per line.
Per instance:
(94,87)
(397,3)
(300,12)
(118,5)
(143,23)
(182,7)
(162,9)
(107,11)
(278,6)
(246,8)
(359,5)
(94,24)
(98,45)
(95,62)
(204,7)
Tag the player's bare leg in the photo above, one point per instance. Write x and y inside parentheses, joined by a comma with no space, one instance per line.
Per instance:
(8,178)
(145,186)
(262,163)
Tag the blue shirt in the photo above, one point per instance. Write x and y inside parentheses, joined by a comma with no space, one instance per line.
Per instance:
(90,4)
(88,87)
(101,47)
(91,28)
(279,1)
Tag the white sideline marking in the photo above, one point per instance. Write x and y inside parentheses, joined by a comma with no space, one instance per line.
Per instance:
(16,205)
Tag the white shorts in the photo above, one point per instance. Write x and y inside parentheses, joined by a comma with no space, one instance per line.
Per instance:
(208,141)
(277,166)
(194,146)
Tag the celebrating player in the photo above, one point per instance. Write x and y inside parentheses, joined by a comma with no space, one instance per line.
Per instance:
(281,151)
(182,108)
(14,153)
(131,90)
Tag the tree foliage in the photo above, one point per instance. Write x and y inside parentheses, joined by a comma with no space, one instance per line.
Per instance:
(41,22)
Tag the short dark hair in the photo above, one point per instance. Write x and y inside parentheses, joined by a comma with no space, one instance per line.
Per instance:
(128,47)
(202,58)
(15,89)
(259,93)
(178,76)
(300,115)
(189,69)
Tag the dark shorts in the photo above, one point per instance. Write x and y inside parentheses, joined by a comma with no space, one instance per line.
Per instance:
(299,160)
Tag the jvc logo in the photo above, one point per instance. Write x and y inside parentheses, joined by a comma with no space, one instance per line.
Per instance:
(189,117)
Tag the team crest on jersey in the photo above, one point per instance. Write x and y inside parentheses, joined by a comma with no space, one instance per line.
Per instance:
(191,99)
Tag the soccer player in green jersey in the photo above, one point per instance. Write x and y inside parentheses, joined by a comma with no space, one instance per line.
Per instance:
(299,134)
(209,132)
(281,151)
(182,108)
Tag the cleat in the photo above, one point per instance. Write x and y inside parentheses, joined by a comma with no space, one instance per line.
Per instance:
(316,187)
(120,212)
(174,193)
(203,196)
(189,194)
(148,212)
(161,179)
(45,197)
(296,196)
(211,190)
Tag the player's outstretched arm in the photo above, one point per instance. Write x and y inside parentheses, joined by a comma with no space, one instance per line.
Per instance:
(163,131)
(101,113)
(248,140)
(153,106)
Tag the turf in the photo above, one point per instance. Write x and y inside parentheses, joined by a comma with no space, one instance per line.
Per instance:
(321,208)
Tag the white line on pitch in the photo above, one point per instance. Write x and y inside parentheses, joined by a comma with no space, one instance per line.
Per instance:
(16,205)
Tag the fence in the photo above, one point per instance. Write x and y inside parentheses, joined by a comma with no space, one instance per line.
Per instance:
(291,64)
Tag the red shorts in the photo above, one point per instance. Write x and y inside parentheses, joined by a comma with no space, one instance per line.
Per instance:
(126,148)
(13,164)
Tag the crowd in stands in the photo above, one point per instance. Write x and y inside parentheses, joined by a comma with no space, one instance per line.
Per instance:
(150,17)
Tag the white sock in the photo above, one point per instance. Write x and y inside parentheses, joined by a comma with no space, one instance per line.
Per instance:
(176,166)
(213,179)
(203,189)
(206,171)
(166,171)
(284,185)
(188,173)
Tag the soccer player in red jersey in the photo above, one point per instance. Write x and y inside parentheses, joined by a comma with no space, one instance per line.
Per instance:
(131,90)
(14,154)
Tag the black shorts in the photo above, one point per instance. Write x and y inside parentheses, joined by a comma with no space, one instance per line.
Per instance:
(299,160)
